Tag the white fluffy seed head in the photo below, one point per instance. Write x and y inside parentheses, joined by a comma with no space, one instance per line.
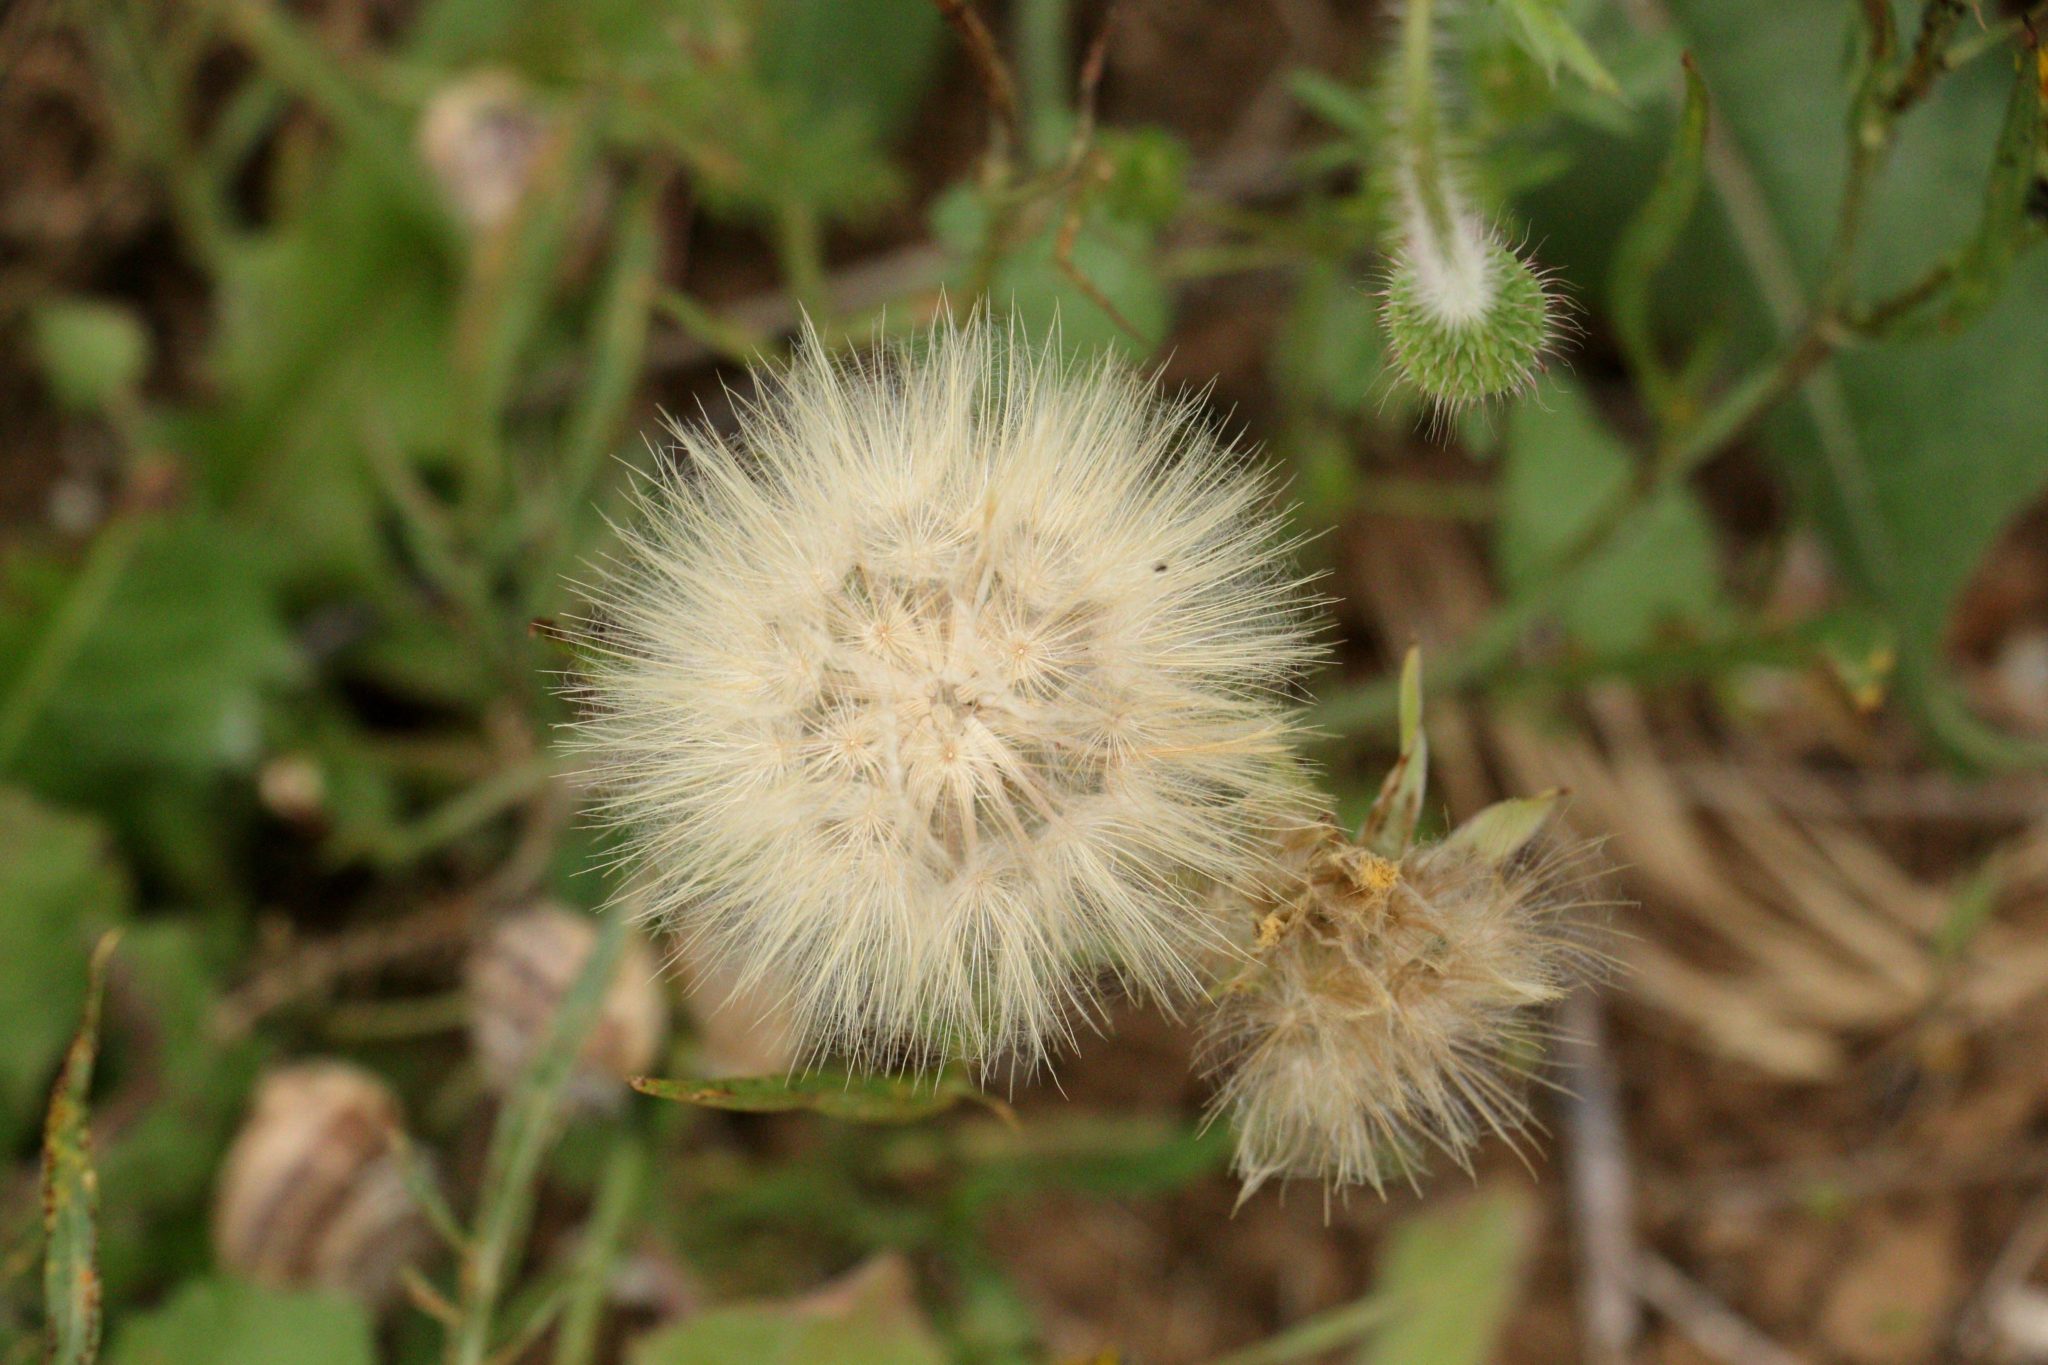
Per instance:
(951,683)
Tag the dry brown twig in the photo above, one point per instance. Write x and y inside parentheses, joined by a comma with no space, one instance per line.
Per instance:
(1602,1186)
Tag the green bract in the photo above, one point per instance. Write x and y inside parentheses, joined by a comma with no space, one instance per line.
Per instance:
(1461,360)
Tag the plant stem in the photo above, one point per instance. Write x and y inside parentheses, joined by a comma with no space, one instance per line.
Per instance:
(618,1198)
(1419,133)
(799,245)
(1042,67)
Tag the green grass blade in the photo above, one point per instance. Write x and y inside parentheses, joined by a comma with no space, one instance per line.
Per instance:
(71,1276)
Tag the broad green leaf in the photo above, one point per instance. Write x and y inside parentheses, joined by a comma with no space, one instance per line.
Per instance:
(90,352)
(227,1322)
(871,61)
(1562,466)
(1452,1273)
(58,887)
(1913,454)
(71,1271)
(858,1099)
(171,671)
(868,1317)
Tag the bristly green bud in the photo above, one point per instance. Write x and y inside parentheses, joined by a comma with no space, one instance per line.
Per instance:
(1459,354)
(1467,317)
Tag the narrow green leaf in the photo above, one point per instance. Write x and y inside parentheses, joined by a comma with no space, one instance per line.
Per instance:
(1453,1273)
(2006,226)
(1340,105)
(1549,38)
(1389,827)
(619,1195)
(1649,241)
(71,1272)
(1504,828)
(1318,1335)
(1969,910)
(835,1094)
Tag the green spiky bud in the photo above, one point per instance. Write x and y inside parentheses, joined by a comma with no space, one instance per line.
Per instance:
(1467,330)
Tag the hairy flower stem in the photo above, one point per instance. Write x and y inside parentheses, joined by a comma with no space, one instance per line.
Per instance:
(1422,158)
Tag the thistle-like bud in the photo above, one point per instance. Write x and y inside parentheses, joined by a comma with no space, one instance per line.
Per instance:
(517,977)
(1467,318)
(312,1194)
(946,689)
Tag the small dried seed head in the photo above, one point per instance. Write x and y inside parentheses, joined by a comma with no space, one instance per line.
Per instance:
(517,977)
(311,1194)
(1387,1008)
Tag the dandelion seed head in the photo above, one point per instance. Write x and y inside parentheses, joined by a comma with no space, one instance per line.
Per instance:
(946,686)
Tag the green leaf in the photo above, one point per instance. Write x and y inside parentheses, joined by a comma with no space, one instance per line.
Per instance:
(1504,828)
(156,1171)
(1652,236)
(90,352)
(169,673)
(1349,107)
(1389,827)
(1453,1273)
(867,1317)
(1332,349)
(71,1272)
(872,60)
(1912,454)
(224,1322)
(1562,467)
(58,887)
(857,1099)
(1548,37)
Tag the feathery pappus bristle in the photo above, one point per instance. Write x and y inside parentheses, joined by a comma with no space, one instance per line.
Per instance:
(951,683)
(1389,1006)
